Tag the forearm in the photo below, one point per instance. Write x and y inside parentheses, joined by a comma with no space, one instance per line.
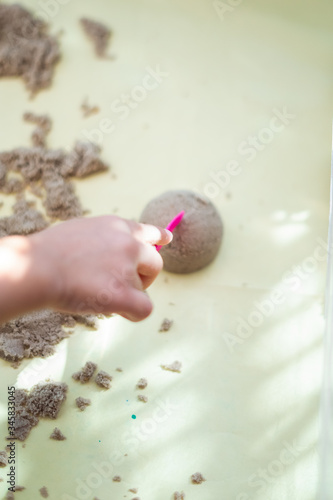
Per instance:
(22,284)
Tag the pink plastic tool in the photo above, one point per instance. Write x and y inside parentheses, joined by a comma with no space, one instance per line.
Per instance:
(171,226)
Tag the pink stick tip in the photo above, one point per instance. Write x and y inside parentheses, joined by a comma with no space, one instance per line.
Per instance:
(171,226)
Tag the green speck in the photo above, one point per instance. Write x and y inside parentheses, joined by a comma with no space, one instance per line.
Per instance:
(134,416)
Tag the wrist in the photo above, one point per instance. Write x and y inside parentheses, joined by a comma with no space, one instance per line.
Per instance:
(22,288)
(42,273)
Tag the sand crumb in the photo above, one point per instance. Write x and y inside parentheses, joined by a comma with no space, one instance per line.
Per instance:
(98,33)
(142,398)
(26,48)
(119,369)
(173,367)
(9,495)
(116,479)
(166,325)
(88,110)
(86,373)
(142,383)
(197,478)
(19,488)
(133,490)
(179,496)
(82,403)
(103,379)
(57,435)
(3,458)
(43,492)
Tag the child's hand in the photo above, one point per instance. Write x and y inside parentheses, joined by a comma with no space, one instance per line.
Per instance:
(89,265)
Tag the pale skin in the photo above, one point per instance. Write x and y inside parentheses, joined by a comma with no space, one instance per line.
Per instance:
(91,265)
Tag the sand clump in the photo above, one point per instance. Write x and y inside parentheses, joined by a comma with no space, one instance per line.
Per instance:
(142,383)
(88,109)
(27,50)
(43,127)
(3,458)
(25,220)
(98,34)
(173,367)
(43,492)
(57,435)
(35,334)
(103,379)
(44,400)
(197,478)
(166,325)
(86,373)
(143,398)
(82,403)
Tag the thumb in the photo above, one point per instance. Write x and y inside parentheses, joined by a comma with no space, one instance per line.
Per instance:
(139,305)
(154,235)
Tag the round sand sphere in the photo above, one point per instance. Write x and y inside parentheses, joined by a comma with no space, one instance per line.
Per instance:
(196,240)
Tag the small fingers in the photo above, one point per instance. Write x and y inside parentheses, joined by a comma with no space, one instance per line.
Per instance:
(139,305)
(155,235)
(149,266)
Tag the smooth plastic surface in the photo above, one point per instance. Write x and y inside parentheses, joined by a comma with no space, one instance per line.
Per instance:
(326,448)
